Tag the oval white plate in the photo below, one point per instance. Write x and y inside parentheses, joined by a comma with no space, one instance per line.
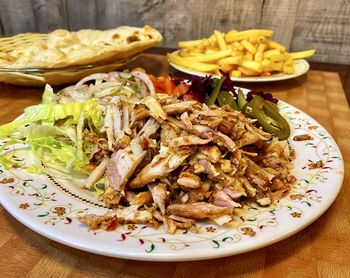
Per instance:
(50,207)
(300,67)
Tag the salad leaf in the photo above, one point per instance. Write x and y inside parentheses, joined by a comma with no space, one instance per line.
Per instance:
(52,112)
(228,85)
(48,94)
(59,145)
(58,154)
(201,87)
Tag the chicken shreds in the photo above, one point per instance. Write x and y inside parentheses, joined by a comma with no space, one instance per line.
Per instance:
(184,161)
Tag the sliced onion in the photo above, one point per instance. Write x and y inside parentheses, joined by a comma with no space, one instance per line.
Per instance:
(124,75)
(125,117)
(99,76)
(96,174)
(117,121)
(144,77)
(109,126)
(80,94)
(143,87)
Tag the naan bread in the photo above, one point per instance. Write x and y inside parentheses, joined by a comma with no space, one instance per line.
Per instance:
(85,47)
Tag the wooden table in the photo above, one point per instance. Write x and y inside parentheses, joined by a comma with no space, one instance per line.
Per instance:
(320,250)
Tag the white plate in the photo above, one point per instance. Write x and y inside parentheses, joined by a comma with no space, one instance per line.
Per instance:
(50,207)
(300,67)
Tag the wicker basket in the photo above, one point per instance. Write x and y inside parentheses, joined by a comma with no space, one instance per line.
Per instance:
(52,76)
(40,77)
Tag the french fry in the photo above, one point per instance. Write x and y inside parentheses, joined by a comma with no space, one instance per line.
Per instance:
(230,61)
(195,54)
(236,52)
(288,67)
(248,72)
(220,40)
(238,46)
(302,54)
(259,53)
(261,39)
(266,63)
(254,40)
(276,45)
(210,51)
(243,35)
(233,31)
(192,65)
(212,41)
(271,52)
(276,66)
(279,58)
(227,67)
(248,56)
(235,73)
(210,57)
(247,45)
(252,65)
(199,49)
(206,42)
(184,53)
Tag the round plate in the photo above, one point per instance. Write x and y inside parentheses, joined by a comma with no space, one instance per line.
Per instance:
(300,67)
(50,207)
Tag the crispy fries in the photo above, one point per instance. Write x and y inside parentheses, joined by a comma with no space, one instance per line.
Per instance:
(243,35)
(240,53)
(220,40)
(192,65)
(210,57)
(302,54)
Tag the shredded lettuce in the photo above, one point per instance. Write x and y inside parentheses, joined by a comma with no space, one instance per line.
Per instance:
(55,134)
(47,95)
(58,154)
(52,112)
(116,90)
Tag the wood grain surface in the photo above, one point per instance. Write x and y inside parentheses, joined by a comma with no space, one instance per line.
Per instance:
(320,250)
(298,24)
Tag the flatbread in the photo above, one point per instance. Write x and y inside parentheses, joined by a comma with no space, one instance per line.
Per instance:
(85,47)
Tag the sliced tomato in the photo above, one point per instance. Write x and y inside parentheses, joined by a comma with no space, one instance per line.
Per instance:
(180,89)
(153,78)
(163,84)
(157,84)
(169,85)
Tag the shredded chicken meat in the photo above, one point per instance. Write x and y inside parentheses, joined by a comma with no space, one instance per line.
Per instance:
(174,162)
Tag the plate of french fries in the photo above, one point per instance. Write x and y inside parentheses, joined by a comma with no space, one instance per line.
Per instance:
(250,56)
